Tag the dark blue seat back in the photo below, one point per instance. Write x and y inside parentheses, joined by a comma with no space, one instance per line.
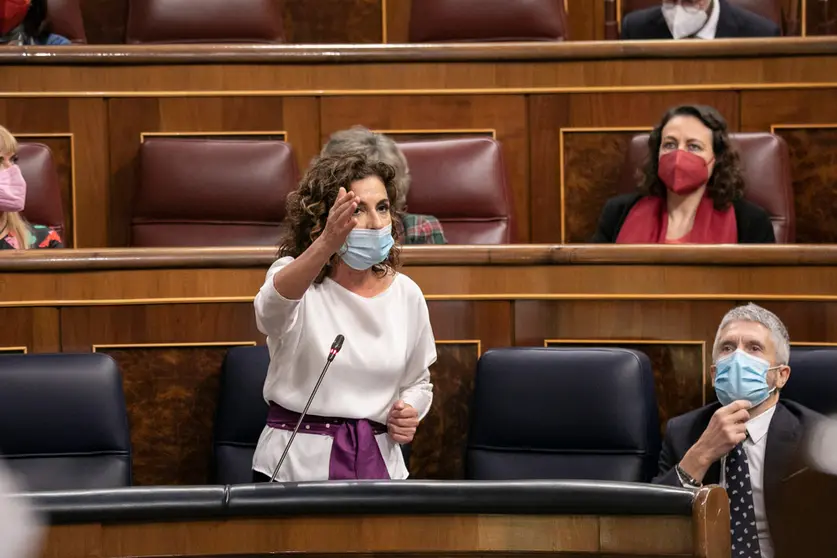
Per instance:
(587,413)
(813,379)
(241,415)
(63,423)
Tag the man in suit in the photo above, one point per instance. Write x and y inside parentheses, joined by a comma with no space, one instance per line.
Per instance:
(698,19)
(750,442)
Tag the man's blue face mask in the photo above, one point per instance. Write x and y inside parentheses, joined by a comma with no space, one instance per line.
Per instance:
(741,375)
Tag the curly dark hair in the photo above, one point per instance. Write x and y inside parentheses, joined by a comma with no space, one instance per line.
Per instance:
(726,183)
(307,207)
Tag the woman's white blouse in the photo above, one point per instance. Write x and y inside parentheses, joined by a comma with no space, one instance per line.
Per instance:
(386,355)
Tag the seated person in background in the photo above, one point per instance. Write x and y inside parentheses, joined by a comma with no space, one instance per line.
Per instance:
(691,192)
(24,22)
(696,19)
(418,229)
(338,274)
(15,232)
(750,441)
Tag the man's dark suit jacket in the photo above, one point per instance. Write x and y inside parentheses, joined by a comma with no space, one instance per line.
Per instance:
(753,223)
(784,468)
(734,23)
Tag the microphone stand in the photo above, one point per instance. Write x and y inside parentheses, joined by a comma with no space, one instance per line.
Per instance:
(335,348)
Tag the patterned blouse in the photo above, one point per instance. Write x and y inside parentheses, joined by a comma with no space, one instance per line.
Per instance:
(44,237)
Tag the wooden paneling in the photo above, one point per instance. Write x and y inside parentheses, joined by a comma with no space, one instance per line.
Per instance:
(410,535)
(439,445)
(808,123)
(505,114)
(814,172)
(397,20)
(592,164)
(129,118)
(586,20)
(333,21)
(31,330)
(170,357)
(171,394)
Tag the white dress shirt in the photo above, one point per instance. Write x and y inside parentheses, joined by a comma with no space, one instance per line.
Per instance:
(755,446)
(386,355)
(711,27)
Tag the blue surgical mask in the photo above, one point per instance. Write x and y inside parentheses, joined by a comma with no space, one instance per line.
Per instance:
(367,247)
(742,376)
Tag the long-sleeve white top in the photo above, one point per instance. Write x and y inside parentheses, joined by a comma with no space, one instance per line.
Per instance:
(386,356)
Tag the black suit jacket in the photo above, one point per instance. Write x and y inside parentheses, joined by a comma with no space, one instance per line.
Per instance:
(753,223)
(734,23)
(784,464)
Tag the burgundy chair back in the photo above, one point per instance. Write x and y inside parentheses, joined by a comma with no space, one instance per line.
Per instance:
(433,21)
(765,164)
(198,192)
(204,21)
(43,191)
(462,182)
(66,19)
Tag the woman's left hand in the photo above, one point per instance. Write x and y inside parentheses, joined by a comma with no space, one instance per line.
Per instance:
(402,422)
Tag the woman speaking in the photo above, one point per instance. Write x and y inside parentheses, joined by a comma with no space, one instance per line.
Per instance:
(337,274)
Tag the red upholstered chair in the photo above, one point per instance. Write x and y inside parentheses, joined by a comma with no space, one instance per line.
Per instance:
(487,20)
(204,21)
(462,182)
(771,9)
(197,192)
(66,20)
(767,177)
(43,191)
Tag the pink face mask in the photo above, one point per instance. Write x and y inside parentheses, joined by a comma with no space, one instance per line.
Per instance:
(12,190)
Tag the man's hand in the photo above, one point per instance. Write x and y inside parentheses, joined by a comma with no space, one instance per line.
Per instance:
(726,429)
(402,422)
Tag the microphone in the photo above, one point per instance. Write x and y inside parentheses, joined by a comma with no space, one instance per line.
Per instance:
(335,348)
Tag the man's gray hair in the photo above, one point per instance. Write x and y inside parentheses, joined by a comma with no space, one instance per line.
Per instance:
(376,147)
(755,313)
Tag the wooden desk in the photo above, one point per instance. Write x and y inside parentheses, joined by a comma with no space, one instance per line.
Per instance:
(401,524)
(563,112)
(168,317)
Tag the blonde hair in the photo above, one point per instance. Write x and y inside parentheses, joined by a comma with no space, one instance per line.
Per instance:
(13,223)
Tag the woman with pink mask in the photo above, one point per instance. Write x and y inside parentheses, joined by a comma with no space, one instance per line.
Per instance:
(15,232)
(691,191)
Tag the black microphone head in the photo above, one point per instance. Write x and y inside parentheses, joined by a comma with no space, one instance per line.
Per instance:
(338,344)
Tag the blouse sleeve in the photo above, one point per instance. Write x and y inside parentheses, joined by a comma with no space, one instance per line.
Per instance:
(275,314)
(417,391)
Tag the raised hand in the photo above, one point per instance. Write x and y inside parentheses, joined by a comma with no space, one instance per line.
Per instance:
(341,220)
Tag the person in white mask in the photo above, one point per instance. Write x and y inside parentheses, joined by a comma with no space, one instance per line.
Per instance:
(696,19)
(337,274)
(750,441)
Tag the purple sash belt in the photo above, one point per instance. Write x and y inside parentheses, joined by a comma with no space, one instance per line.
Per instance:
(354,454)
